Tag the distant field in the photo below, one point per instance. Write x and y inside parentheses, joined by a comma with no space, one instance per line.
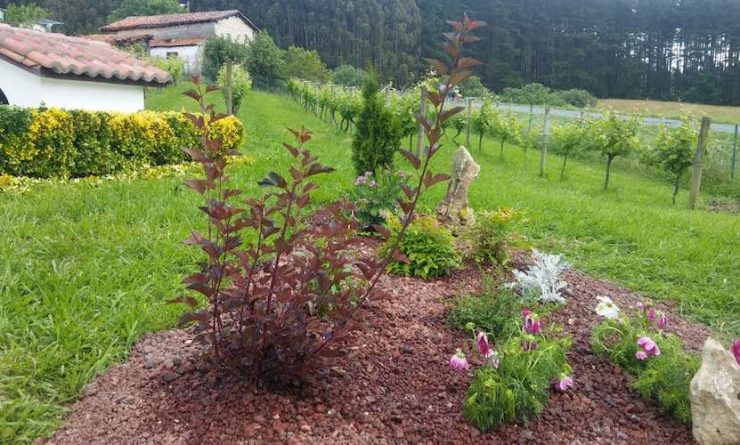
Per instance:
(718,113)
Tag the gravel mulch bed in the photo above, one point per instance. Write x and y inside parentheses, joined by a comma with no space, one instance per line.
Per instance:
(391,385)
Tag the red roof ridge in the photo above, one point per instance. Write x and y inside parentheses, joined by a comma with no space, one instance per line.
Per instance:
(58,54)
(164,20)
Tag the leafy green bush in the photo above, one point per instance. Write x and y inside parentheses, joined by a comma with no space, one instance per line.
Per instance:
(376,195)
(304,64)
(538,94)
(664,377)
(614,137)
(578,98)
(518,390)
(674,152)
(428,246)
(349,76)
(218,51)
(378,133)
(570,139)
(46,143)
(493,310)
(265,63)
(494,235)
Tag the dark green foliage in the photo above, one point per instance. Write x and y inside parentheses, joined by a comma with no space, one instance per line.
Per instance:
(25,15)
(473,87)
(306,65)
(129,8)
(378,133)
(538,94)
(265,63)
(220,50)
(494,310)
(519,389)
(349,76)
(428,246)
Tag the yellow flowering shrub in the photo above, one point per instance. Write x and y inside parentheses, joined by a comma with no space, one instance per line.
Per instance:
(44,143)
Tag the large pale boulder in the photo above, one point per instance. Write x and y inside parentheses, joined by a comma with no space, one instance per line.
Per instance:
(455,210)
(715,397)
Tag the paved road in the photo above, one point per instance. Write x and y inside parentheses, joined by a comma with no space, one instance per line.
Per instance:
(575,114)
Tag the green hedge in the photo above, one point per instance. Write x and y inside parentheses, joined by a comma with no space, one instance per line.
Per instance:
(50,142)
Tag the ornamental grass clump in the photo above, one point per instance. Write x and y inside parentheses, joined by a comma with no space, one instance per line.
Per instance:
(636,341)
(279,294)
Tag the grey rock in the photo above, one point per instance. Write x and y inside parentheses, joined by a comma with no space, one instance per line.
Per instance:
(715,397)
(455,210)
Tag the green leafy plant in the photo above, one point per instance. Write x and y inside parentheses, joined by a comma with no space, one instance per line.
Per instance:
(570,139)
(674,152)
(304,64)
(378,133)
(218,51)
(507,129)
(484,119)
(265,63)
(350,76)
(613,137)
(428,246)
(494,235)
(376,196)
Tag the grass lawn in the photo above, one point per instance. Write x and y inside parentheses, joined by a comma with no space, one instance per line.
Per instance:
(87,269)
(676,110)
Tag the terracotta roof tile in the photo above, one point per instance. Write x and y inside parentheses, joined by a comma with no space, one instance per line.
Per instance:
(60,54)
(115,39)
(158,21)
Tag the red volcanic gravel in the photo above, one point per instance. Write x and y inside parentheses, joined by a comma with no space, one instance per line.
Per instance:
(391,385)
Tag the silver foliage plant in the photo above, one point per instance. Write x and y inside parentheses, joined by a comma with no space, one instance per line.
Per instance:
(542,279)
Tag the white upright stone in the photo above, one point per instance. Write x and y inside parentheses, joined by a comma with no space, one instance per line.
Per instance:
(715,397)
(455,210)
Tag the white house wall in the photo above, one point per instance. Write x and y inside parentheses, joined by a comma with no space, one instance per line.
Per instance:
(190,54)
(21,87)
(235,28)
(92,96)
(26,89)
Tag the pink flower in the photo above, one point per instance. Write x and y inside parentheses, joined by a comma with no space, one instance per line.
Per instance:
(532,325)
(736,350)
(652,314)
(639,305)
(640,355)
(481,341)
(459,362)
(526,313)
(360,180)
(564,384)
(662,322)
(372,184)
(648,345)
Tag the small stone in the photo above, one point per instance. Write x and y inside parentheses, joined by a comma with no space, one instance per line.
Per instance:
(305,428)
(176,361)
(170,377)
(406,349)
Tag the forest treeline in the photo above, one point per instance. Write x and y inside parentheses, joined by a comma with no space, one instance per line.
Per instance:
(662,49)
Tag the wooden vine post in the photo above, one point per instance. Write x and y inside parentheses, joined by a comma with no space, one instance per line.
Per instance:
(545,141)
(229,87)
(698,162)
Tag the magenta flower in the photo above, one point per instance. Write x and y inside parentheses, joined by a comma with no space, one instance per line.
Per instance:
(360,180)
(736,350)
(662,322)
(640,355)
(459,362)
(532,325)
(648,345)
(526,313)
(481,341)
(652,314)
(564,384)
